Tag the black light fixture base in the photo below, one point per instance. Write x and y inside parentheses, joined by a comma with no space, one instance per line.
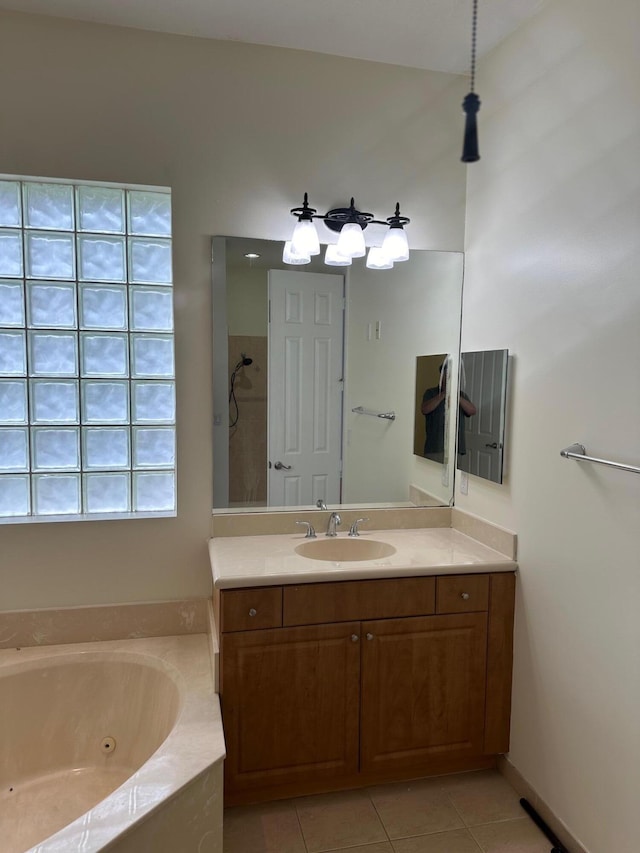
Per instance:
(335,218)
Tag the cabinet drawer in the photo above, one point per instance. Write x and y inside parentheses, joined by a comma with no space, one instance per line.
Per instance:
(251,609)
(346,601)
(462,593)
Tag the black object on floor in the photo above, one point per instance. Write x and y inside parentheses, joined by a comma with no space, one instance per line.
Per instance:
(558,846)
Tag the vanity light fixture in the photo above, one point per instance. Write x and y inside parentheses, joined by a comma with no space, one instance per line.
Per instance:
(349,223)
(471,103)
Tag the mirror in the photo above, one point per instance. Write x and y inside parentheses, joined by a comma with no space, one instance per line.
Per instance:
(386,318)
(433,409)
(483,382)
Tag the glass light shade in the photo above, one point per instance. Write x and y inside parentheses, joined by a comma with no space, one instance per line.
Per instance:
(334,259)
(304,241)
(395,245)
(289,257)
(351,241)
(377,260)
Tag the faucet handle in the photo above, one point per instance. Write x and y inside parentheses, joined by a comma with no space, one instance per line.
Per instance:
(321,504)
(310,534)
(353,531)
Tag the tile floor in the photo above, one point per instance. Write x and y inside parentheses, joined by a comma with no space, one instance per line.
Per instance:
(468,813)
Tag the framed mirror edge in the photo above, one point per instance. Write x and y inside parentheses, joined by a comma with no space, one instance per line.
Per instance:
(342,507)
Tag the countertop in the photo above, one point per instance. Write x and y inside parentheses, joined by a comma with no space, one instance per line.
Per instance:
(244,561)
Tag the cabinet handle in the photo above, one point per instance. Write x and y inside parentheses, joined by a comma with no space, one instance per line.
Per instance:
(464,595)
(253,611)
(354,638)
(369,636)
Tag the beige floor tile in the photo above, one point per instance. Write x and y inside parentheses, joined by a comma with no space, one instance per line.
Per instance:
(414,808)
(334,821)
(458,841)
(382,847)
(267,828)
(511,836)
(482,797)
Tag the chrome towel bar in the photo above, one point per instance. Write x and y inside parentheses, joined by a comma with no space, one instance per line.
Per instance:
(578,451)
(360,410)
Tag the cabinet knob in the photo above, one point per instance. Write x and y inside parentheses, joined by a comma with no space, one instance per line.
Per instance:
(369,636)
(354,638)
(253,611)
(464,595)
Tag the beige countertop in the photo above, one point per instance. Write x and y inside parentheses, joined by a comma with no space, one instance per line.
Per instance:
(244,561)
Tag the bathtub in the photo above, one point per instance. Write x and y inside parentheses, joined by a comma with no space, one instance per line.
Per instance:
(112,746)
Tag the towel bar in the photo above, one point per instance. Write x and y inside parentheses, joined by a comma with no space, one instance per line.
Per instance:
(578,451)
(360,410)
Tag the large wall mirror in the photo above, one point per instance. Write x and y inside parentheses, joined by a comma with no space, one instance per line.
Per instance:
(315,377)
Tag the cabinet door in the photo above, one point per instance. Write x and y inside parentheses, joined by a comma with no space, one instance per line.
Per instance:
(290,704)
(423,690)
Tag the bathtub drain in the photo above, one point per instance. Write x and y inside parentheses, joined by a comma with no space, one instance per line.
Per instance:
(108,744)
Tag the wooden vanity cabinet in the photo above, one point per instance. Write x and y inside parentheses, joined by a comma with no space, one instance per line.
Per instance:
(291,705)
(422,690)
(388,679)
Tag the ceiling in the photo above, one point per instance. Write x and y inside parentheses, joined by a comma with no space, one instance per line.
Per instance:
(428,34)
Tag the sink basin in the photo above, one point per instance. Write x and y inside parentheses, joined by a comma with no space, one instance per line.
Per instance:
(345,550)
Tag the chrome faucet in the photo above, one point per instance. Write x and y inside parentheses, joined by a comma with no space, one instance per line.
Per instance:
(334,521)
(353,530)
(321,504)
(311,533)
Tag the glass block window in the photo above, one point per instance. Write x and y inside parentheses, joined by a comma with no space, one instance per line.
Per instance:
(87,380)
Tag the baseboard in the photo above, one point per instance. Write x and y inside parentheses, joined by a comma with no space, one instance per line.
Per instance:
(243,794)
(517,781)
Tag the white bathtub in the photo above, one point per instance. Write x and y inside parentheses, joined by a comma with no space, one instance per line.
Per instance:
(111,746)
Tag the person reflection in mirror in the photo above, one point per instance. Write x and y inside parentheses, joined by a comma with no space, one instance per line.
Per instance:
(433,409)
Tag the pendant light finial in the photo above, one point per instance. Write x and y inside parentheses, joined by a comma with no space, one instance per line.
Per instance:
(471,103)
(471,106)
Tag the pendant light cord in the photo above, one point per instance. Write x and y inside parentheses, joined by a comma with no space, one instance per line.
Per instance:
(474,32)
(471,103)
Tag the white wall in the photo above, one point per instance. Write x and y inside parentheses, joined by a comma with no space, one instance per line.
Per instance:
(247,301)
(239,133)
(418,306)
(553,243)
